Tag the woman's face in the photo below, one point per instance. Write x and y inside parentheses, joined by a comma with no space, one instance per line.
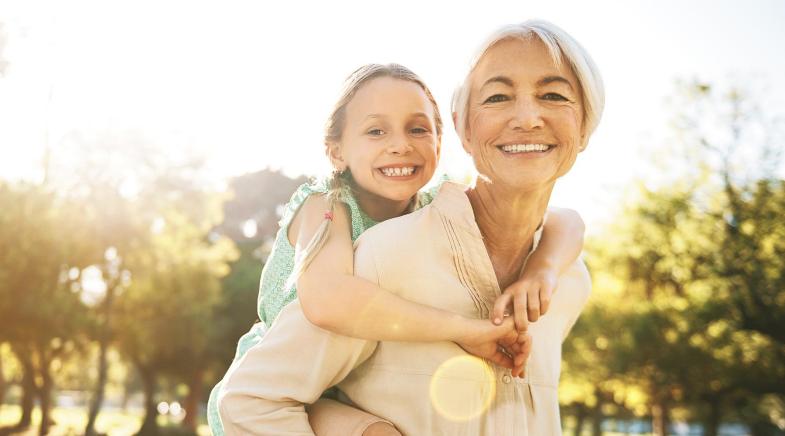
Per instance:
(525,115)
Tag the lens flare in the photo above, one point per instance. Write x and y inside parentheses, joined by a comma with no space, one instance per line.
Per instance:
(462,388)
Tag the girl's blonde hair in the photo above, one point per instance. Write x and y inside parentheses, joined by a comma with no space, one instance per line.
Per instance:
(340,182)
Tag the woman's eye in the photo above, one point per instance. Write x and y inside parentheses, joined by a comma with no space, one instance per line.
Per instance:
(376,132)
(496,98)
(552,96)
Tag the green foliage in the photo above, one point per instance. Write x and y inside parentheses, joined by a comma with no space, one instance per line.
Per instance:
(689,308)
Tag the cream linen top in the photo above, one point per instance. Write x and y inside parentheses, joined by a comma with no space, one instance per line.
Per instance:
(433,256)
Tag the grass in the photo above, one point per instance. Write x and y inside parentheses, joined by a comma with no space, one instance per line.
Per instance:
(72,421)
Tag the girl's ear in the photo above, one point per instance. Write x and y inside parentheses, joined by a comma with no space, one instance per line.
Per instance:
(333,150)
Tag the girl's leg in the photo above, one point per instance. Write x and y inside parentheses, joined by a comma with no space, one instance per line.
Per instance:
(333,418)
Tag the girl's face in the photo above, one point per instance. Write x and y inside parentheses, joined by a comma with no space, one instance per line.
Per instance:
(389,141)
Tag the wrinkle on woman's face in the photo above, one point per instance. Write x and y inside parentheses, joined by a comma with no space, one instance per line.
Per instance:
(525,115)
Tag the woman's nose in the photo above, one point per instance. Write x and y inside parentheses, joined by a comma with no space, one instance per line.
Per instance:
(527,115)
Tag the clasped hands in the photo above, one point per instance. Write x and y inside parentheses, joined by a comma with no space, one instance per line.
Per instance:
(506,340)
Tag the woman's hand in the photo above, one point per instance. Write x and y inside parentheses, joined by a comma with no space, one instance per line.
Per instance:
(527,299)
(500,344)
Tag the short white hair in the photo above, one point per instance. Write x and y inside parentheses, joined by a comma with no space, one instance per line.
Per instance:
(562,47)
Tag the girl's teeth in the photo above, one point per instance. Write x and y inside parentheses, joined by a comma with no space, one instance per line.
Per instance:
(525,148)
(398,172)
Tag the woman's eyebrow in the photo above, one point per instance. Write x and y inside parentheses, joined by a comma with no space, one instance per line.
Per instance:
(551,79)
(498,79)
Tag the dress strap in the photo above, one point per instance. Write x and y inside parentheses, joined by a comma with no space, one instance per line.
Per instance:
(305,190)
(360,220)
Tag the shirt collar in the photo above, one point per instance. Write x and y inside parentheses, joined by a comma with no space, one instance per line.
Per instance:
(453,202)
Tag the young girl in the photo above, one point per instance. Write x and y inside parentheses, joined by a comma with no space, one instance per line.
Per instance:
(383,139)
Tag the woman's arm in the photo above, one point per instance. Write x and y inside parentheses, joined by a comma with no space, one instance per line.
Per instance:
(334,299)
(561,244)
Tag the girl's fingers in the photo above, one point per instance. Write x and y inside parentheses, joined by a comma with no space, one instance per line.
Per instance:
(501,358)
(499,307)
(546,292)
(519,303)
(533,304)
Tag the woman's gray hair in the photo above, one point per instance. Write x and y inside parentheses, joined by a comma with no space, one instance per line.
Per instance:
(562,47)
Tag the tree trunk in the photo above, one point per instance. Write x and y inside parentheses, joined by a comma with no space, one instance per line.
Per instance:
(659,418)
(712,424)
(580,417)
(597,417)
(149,424)
(29,390)
(195,391)
(98,396)
(103,364)
(45,394)
(3,384)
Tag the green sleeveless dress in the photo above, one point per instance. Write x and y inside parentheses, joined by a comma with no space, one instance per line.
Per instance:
(274,292)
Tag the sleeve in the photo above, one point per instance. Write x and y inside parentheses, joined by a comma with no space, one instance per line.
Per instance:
(577,282)
(264,392)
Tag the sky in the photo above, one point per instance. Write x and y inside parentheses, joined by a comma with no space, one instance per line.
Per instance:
(249,84)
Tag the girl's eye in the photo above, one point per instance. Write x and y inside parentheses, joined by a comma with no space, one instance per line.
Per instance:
(552,96)
(376,132)
(419,131)
(496,98)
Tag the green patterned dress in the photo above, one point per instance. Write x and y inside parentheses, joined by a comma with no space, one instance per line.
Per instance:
(274,291)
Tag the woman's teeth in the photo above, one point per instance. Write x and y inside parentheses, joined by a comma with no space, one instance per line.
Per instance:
(525,148)
(398,171)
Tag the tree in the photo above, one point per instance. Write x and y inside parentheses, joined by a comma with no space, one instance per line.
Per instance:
(164,315)
(41,312)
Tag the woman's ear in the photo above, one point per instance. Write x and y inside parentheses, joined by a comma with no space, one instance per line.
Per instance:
(333,151)
(584,142)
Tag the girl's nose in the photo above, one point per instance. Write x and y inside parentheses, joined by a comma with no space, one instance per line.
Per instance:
(399,145)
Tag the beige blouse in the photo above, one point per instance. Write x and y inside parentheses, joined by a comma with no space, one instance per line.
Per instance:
(433,256)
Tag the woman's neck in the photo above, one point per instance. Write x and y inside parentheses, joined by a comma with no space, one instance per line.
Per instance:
(507,219)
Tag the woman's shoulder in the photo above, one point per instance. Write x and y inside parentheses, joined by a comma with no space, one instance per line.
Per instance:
(576,281)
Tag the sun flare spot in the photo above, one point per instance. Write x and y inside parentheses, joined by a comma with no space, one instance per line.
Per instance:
(462,388)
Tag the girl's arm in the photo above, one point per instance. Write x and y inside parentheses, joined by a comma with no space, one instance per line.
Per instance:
(334,299)
(530,296)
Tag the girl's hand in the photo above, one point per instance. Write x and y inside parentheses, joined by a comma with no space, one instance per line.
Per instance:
(500,344)
(527,299)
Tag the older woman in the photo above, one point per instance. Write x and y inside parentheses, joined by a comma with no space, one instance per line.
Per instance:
(530,102)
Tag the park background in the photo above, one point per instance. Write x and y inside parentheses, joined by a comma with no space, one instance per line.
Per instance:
(146,149)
